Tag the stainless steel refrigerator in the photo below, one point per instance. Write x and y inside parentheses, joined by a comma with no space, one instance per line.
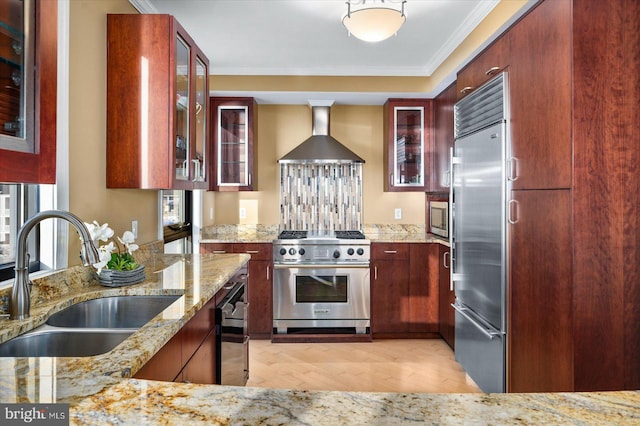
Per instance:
(478,239)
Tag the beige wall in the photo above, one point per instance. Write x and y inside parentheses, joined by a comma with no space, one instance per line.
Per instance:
(280,129)
(89,198)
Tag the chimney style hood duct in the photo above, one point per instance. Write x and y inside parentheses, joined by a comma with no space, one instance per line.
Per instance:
(321,147)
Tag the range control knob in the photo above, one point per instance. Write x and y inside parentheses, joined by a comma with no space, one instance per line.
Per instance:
(360,251)
(336,254)
(283,251)
(350,252)
(292,251)
(302,252)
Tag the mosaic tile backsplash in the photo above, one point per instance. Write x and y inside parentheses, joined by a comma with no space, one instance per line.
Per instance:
(321,197)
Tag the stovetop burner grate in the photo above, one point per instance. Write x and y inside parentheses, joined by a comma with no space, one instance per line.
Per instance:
(349,235)
(300,235)
(292,235)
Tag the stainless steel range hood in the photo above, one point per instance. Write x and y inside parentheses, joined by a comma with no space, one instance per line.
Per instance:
(321,147)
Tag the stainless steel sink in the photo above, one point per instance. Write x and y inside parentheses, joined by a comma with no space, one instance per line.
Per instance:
(49,341)
(115,312)
(87,328)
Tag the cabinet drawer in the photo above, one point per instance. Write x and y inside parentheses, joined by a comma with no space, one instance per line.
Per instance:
(197,329)
(216,248)
(258,251)
(390,251)
(165,364)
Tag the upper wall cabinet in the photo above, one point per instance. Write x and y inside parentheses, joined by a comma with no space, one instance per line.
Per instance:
(443,139)
(408,138)
(493,59)
(234,135)
(157,105)
(28,68)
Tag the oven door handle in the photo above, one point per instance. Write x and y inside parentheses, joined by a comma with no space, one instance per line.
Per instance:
(323,281)
(321,266)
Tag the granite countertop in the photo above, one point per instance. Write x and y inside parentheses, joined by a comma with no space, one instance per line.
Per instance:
(100,389)
(268,233)
(239,234)
(196,278)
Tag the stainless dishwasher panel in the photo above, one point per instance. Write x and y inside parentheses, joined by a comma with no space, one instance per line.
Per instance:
(232,341)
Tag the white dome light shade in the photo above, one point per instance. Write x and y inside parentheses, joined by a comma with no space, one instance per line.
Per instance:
(374,23)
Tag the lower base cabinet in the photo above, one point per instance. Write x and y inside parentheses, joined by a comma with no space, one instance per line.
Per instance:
(201,368)
(447,316)
(260,295)
(404,290)
(190,355)
(166,364)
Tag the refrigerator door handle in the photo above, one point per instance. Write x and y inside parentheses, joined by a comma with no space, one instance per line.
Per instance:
(452,255)
(490,332)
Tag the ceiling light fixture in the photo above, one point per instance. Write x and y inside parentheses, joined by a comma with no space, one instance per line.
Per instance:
(373,20)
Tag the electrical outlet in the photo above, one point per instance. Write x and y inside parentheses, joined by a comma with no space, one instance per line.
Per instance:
(398,213)
(211,213)
(243,213)
(134,228)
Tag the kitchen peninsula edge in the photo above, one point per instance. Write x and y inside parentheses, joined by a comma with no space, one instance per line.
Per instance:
(100,391)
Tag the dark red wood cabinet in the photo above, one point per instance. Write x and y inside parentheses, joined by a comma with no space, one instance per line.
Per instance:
(540,93)
(164,146)
(389,288)
(38,166)
(408,143)
(404,291)
(190,355)
(260,290)
(540,332)
(234,136)
(483,67)
(443,139)
(446,297)
(574,292)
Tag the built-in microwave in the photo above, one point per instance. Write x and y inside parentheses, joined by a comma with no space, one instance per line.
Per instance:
(439,218)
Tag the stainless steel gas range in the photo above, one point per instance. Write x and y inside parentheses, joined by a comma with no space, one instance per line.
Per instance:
(321,282)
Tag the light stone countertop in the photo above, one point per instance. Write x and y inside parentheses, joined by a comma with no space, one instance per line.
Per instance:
(268,233)
(100,390)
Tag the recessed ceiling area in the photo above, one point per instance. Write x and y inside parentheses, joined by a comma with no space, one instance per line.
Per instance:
(307,38)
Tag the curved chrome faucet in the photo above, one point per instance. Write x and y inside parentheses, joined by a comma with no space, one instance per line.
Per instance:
(20,304)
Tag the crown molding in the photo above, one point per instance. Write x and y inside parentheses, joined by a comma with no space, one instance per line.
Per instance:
(143,6)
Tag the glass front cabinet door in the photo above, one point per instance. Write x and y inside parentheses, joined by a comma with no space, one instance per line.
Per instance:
(407,143)
(234,137)
(157,98)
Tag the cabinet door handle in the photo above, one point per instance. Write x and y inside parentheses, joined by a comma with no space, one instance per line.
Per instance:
(391,251)
(196,172)
(513,212)
(445,256)
(375,273)
(219,251)
(492,70)
(390,179)
(252,251)
(466,89)
(513,169)
(268,272)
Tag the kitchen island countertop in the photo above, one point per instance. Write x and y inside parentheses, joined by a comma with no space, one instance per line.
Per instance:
(100,389)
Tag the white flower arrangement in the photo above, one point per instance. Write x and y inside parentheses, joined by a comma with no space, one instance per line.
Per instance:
(109,257)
